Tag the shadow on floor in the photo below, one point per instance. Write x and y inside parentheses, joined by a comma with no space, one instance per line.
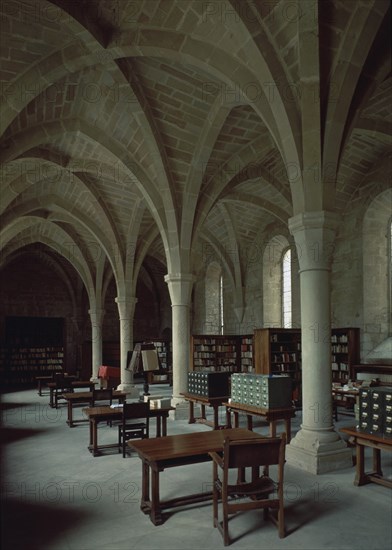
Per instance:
(35,526)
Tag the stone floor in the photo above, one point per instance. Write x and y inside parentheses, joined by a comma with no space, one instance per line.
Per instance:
(57,496)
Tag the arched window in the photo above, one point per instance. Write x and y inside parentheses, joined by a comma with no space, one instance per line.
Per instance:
(214,299)
(286,289)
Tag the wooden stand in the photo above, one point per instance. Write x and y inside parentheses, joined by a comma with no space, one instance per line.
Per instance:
(271,416)
(377,443)
(214,402)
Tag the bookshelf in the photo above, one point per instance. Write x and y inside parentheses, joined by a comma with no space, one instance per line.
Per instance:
(33,346)
(246,344)
(344,353)
(19,366)
(278,351)
(215,353)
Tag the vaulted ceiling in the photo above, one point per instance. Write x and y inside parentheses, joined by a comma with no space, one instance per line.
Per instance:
(131,129)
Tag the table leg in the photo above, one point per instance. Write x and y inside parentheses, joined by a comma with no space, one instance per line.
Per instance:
(93,447)
(156,512)
(164,424)
(145,504)
(191,413)
(158,427)
(51,398)
(236,419)
(70,416)
(203,412)
(360,466)
(95,438)
(288,429)
(377,462)
(228,418)
(39,387)
(249,422)
(216,417)
(272,428)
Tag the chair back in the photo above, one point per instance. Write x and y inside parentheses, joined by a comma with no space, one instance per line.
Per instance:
(254,452)
(61,381)
(99,395)
(135,410)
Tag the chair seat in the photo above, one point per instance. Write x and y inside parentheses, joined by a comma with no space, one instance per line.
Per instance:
(262,486)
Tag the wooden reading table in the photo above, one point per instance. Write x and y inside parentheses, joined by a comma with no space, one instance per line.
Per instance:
(96,415)
(271,416)
(214,402)
(49,378)
(376,442)
(75,384)
(172,451)
(84,397)
(344,398)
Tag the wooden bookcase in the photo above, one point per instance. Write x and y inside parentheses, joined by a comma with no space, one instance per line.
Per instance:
(215,353)
(19,366)
(33,346)
(273,351)
(246,344)
(344,353)
(278,351)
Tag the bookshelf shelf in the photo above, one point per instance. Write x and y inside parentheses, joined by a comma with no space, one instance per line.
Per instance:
(230,353)
(278,351)
(344,353)
(19,366)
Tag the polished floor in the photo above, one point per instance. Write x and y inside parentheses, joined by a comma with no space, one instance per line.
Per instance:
(56,496)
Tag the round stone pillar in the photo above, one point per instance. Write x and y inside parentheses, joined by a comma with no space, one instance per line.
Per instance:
(126,309)
(317,447)
(180,288)
(96,316)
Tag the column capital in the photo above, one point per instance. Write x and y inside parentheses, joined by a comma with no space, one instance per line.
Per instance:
(96,313)
(180,277)
(314,234)
(130,300)
(180,287)
(126,306)
(313,220)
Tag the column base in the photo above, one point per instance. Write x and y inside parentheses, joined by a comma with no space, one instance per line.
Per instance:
(130,389)
(318,453)
(181,411)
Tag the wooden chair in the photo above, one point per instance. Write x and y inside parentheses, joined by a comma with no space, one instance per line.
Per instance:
(102,396)
(261,492)
(63,384)
(129,429)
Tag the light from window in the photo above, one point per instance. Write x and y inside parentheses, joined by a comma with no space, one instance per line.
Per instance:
(286,289)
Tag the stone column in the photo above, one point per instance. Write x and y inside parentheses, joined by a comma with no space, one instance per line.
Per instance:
(126,309)
(96,316)
(317,447)
(180,288)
